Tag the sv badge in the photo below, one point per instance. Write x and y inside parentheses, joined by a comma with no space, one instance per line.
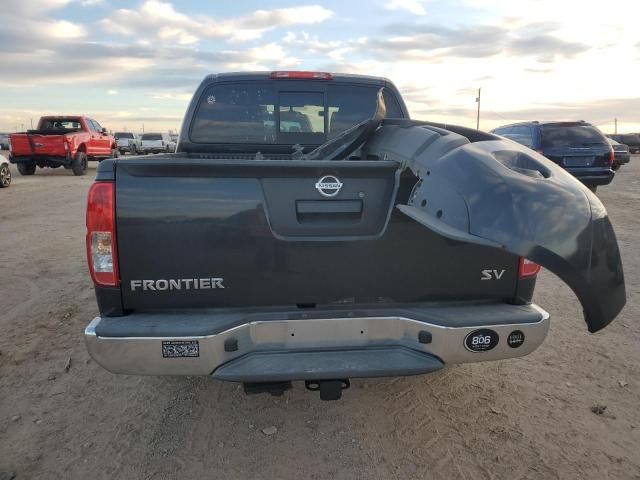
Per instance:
(492,274)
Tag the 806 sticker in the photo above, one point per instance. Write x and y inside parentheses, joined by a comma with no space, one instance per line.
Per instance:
(481,340)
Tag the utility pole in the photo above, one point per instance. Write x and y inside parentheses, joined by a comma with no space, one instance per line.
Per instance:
(615,122)
(478,116)
(143,128)
(31,120)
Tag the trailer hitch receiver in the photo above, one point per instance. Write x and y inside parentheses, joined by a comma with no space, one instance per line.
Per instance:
(329,389)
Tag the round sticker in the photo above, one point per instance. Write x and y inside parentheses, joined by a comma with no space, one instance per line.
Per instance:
(481,340)
(515,339)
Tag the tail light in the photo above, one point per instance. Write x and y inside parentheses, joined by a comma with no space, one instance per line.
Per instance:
(611,156)
(101,235)
(302,75)
(527,268)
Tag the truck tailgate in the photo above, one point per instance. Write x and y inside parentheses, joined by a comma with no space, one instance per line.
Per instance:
(197,233)
(35,144)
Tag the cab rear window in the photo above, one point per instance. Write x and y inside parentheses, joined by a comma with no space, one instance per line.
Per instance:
(261,113)
(151,136)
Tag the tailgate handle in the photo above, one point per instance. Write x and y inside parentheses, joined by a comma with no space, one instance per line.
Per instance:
(328,206)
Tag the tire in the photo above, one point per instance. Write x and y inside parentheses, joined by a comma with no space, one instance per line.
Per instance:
(615,167)
(79,164)
(5,175)
(27,168)
(133,150)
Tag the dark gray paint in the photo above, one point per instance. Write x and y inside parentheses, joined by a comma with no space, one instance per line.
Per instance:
(179,217)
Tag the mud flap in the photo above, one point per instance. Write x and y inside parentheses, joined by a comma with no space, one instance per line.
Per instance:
(498,193)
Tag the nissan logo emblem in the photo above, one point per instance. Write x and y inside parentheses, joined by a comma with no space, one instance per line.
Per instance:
(328,186)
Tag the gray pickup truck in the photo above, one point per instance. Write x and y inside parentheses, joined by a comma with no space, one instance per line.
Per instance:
(307,229)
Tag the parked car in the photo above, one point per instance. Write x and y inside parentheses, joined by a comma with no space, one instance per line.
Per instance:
(4,141)
(362,245)
(631,140)
(5,173)
(578,147)
(155,143)
(61,141)
(127,142)
(621,154)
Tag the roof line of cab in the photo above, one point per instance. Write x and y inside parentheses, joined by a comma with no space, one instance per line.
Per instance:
(542,122)
(266,75)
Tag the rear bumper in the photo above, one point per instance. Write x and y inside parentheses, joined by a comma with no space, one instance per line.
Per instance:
(285,346)
(622,158)
(42,160)
(593,176)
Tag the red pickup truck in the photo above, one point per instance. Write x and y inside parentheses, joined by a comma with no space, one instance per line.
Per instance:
(67,141)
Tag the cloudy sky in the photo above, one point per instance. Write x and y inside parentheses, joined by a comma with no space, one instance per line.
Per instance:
(129,63)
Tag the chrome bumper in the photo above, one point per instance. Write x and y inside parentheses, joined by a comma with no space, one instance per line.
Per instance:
(328,340)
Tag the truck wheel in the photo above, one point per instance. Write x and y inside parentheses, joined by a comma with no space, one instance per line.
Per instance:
(5,176)
(79,164)
(27,168)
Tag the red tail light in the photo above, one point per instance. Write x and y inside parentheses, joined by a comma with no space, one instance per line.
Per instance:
(302,75)
(527,268)
(101,235)
(611,157)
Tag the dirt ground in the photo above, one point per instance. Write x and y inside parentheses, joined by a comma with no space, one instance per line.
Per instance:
(63,416)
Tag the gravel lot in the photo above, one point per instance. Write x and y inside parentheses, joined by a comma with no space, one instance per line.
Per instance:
(63,416)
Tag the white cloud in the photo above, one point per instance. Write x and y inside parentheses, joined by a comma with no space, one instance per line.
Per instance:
(64,29)
(112,92)
(160,20)
(335,50)
(412,6)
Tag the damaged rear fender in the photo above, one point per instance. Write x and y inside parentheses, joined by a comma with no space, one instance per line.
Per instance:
(499,193)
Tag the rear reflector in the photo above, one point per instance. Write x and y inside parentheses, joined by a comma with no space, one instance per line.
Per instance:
(302,75)
(527,268)
(101,235)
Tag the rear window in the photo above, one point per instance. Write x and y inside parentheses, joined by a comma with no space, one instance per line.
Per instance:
(151,136)
(119,135)
(571,135)
(61,124)
(266,113)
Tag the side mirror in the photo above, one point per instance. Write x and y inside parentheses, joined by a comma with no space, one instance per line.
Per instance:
(104,131)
